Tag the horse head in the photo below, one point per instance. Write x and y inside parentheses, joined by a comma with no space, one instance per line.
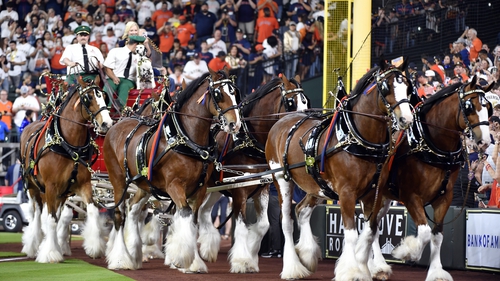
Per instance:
(394,87)
(476,110)
(224,93)
(92,100)
(293,95)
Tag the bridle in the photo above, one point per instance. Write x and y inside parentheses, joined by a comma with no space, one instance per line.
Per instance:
(384,90)
(86,98)
(289,102)
(216,95)
(467,107)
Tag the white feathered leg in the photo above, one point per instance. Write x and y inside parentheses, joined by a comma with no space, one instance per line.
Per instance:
(132,236)
(379,269)
(118,257)
(292,267)
(346,268)
(209,237)
(49,251)
(239,255)
(32,234)
(181,244)
(436,271)
(63,230)
(150,236)
(411,247)
(307,248)
(93,233)
(257,231)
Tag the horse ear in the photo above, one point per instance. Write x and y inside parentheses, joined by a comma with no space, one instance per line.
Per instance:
(212,73)
(490,87)
(404,65)
(285,80)
(383,63)
(473,81)
(81,82)
(226,70)
(297,78)
(97,80)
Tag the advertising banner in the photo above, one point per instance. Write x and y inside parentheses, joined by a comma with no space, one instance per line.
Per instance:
(482,239)
(392,230)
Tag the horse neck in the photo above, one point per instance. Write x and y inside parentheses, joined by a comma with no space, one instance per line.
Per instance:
(71,122)
(196,117)
(263,115)
(443,127)
(371,129)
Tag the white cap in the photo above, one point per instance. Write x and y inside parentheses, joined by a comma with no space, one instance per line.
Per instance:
(430,73)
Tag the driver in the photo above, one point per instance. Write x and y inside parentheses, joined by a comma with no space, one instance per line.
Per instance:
(81,58)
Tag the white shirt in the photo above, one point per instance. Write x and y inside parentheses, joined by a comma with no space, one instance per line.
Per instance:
(26,49)
(52,21)
(213,6)
(194,70)
(118,28)
(5,24)
(67,39)
(217,47)
(117,60)
(96,29)
(29,102)
(73,25)
(144,9)
(16,56)
(74,53)
(110,41)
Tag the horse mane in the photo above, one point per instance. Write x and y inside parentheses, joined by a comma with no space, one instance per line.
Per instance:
(258,94)
(446,91)
(362,83)
(184,96)
(191,88)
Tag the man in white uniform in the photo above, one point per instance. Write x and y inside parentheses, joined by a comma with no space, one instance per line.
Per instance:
(16,59)
(121,67)
(81,58)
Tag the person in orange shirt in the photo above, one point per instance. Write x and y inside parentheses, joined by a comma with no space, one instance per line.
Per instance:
(162,15)
(6,109)
(98,41)
(476,44)
(56,54)
(424,90)
(431,63)
(166,36)
(185,32)
(270,4)
(265,26)
(460,70)
(110,5)
(219,62)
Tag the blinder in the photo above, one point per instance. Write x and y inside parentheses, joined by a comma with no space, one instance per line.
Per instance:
(289,102)
(469,108)
(86,99)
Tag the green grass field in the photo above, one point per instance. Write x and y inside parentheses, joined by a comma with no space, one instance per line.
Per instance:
(70,269)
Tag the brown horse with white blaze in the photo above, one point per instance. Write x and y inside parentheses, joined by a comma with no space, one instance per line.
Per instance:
(426,168)
(260,111)
(56,155)
(354,149)
(173,158)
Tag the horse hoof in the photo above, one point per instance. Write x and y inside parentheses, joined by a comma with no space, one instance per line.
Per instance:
(382,276)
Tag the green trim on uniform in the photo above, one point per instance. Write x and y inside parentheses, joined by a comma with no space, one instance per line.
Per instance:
(121,89)
(72,79)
